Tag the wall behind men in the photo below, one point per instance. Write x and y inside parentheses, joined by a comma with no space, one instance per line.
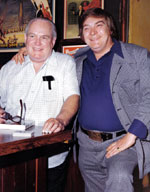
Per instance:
(139,23)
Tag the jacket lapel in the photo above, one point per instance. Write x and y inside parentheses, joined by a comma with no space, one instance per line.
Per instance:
(115,68)
(118,62)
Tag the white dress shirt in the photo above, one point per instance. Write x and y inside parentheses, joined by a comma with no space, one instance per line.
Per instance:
(21,82)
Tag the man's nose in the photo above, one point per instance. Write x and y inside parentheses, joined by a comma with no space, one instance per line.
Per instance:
(93,31)
(38,41)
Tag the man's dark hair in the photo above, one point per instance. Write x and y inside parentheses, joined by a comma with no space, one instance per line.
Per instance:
(99,13)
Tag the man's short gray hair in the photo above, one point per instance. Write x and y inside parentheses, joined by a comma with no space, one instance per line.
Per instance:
(54,32)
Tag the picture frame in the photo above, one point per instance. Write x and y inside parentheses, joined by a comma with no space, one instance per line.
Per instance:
(73,9)
(120,12)
(71,49)
(15,15)
(52,6)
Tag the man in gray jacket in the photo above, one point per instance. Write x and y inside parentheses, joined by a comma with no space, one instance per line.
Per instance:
(114,115)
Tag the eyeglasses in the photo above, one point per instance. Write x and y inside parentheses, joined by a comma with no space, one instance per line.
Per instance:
(17,119)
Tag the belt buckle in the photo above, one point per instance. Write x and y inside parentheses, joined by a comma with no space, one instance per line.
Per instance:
(106,136)
(95,135)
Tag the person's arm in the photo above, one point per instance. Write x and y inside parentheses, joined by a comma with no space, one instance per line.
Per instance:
(122,144)
(67,112)
(19,57)
(2,114)
(3,97)
(136,130)
(140,125)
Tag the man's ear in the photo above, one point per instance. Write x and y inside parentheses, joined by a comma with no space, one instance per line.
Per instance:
(53,41)
(25,38)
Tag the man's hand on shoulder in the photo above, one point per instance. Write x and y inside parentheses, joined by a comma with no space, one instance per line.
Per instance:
(2,114)
(19,57)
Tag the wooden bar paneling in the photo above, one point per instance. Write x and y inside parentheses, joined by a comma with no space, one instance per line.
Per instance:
(41,175)
(30,176)
(23,162)
(18,178)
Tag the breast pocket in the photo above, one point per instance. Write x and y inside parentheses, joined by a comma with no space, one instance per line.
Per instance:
(129,91)
(50,91)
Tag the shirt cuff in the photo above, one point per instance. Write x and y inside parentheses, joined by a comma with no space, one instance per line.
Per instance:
(138,128)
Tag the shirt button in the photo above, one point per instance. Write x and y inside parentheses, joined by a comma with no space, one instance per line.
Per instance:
(118,109)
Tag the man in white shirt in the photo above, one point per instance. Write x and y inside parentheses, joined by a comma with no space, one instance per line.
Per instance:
(46,82)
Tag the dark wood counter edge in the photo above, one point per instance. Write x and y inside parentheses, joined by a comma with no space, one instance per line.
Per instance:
(28,149)
(24,156)
(33,142)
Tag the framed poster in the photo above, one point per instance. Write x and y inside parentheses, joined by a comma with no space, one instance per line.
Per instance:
(15,15)
(51,9)
(73,10)
(71,49)
(119,9)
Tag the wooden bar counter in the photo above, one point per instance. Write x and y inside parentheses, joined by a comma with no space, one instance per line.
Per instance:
(23,160)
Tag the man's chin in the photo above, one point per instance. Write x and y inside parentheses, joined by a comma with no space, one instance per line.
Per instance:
(37,59)
(95,49)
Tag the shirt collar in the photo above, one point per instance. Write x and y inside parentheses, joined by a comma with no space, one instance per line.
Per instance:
(116,48)
(52,56)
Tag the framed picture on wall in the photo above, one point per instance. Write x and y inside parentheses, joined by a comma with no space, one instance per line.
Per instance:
(71,49)
(73,10)
(15,15)
(51,9)
(119,9)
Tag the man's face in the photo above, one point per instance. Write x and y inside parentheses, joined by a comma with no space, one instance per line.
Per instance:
(39,41)
(97,35)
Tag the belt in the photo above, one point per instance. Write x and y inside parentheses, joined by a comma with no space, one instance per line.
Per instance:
(101,136)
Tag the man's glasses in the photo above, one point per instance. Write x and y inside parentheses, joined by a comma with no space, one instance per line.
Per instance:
(17,119)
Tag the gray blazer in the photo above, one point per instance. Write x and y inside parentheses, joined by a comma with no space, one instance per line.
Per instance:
(130,90)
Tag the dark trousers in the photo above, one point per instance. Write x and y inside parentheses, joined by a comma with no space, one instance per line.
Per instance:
(57,177)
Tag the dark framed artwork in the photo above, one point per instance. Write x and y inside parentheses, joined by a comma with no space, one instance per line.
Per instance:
(119,9)
(52,6)
(73,10)
(15,15)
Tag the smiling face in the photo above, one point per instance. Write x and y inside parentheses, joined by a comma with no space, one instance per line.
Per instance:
(97,35)
(39,41)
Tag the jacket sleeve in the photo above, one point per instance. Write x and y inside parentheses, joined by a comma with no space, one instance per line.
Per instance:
(143,64)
